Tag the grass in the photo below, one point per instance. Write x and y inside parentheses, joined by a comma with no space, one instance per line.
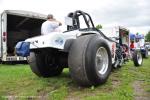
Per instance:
(17,81)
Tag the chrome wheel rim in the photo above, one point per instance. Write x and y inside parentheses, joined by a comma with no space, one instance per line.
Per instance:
(139,57)
(101,61)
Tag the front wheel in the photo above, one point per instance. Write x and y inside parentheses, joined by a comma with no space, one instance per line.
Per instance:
(137,58)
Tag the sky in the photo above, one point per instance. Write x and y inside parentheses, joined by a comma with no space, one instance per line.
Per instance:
(132,14)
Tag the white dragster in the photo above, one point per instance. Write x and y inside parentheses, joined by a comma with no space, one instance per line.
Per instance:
(87,52)
(57,40)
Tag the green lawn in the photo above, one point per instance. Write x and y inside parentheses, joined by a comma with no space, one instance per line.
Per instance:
(126,83)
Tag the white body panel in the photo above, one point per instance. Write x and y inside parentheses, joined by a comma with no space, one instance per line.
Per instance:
(53,40)
(57,40)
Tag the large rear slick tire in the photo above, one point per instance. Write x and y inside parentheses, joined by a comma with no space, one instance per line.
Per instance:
(43,64)
(137,58)
(90,60)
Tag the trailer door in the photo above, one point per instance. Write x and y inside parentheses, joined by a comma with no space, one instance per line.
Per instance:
(4,36)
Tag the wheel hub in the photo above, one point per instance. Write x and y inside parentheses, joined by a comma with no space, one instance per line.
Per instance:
(101,61)
(139,57)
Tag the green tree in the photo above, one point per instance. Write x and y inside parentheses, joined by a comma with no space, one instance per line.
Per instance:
(147,37)
(99,26)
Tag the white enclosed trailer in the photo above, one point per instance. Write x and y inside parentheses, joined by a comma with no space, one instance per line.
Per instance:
(15,26)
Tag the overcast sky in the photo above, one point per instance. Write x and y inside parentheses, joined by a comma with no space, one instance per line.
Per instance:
(133,14)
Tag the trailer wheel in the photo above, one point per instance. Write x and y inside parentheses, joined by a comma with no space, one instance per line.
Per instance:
(89,60)
(137,58)
(43,64)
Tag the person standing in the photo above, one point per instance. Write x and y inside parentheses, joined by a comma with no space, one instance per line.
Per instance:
(50,25)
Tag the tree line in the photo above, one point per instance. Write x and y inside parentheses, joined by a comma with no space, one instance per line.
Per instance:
(147,37)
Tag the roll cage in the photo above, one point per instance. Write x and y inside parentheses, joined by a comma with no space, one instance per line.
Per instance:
(75,20)
(88,21)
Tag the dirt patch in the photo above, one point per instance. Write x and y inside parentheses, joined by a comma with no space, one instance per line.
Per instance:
(115,83)
(139,92)
(42,94)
